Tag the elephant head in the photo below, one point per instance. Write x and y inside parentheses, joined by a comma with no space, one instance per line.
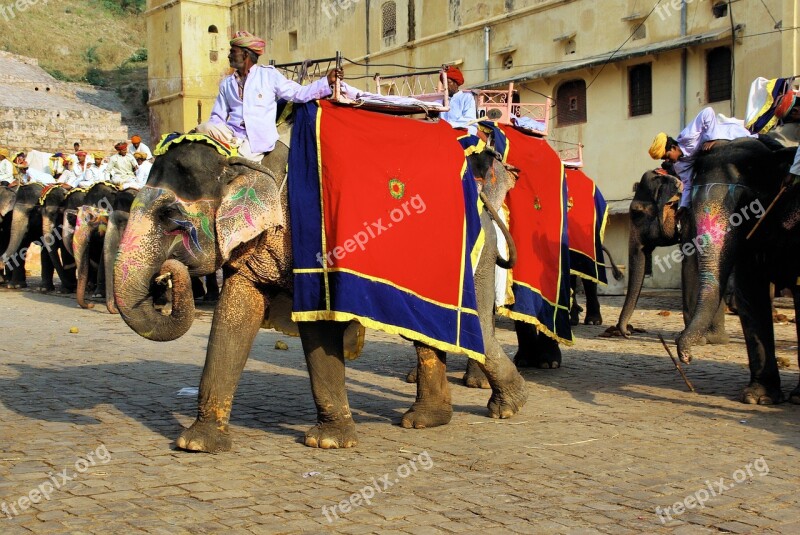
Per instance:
(733,185)
(652,217)
(26,220)
(194,215)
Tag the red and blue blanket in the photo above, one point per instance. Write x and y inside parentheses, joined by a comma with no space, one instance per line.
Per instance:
(538,224)
(384,221)
(587,213)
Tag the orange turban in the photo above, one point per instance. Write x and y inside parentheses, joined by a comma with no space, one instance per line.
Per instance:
(245,39)
(136,139)
(453,73)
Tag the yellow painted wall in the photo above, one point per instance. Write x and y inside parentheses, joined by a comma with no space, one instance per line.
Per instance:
(534,32)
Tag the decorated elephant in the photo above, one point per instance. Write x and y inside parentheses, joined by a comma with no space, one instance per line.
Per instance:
(733,185)
(7,198)
(654,224)
(55,200)
(26,229)
(89,234)
(202,210)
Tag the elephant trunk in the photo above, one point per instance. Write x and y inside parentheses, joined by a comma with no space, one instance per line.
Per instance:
(636,269)
(81,244)
(19,227)
(116,226)
(153,294)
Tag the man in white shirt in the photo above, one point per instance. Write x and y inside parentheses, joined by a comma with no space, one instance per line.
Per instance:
(68,176)
(143,171)
(6,169)
(95,173)
(122,166)
(698,135)
(83,164)
(244,113)
(462,103)
(138,146)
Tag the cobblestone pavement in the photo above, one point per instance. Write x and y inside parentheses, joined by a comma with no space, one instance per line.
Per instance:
(601,444)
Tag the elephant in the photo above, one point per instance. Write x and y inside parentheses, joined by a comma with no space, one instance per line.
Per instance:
(593,315)
(7,198)
(178,226)
(55,200)
(89,234)
(654,224)
(733,184)
(26,229)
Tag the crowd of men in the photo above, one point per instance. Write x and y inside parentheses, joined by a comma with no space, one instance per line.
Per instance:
(128,167)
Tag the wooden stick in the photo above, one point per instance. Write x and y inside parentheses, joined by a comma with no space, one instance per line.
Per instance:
(677,364)
(778,196)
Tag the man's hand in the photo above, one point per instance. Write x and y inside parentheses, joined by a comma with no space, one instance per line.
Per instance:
(708,145)
(333,74)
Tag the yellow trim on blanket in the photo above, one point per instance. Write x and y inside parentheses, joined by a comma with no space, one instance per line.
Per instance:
(324,243)
(525,318)
(390,329)
(387,283)
(584,276)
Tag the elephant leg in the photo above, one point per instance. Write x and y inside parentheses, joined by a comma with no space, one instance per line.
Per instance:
(198,291)
(323,344)
(48,270)
(433,406)
(794,397)
(212,289)
(236,322)
(716,333)
(535,350)
(575,309)
(593,316)
(755,313)
(474,376)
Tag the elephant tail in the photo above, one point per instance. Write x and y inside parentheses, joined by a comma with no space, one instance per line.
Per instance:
(512,248)
(615,271)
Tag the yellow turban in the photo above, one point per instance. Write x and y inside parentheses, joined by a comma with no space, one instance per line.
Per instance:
(97,155)
(245,39)
(659,147)
(140,155)
(4,153)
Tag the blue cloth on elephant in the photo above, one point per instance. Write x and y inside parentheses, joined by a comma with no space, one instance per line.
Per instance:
(387,243)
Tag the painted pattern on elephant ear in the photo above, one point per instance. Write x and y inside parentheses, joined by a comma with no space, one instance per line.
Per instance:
(250,205)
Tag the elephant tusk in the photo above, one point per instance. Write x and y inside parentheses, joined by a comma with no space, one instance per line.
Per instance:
(165,279)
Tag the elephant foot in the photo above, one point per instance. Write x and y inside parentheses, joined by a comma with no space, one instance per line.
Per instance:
(66,290)
(46,289)
(756,394)
(715,338)
(507,401)
(424,414)
(794,397)
(412,376)
(575,314)
(332,435)
(593,319)
(208,437)
(474,376)
(17,285)
(545,358)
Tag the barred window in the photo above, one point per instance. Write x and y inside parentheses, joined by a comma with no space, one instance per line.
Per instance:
(571,103)
(389,19)
(640,90)
(718,74)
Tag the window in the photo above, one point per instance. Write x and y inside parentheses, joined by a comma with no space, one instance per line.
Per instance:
(720,9)
(293,41)
(640,32)
(571,103)
(389,19)
(640,90)
(718,74)
(569,47)
(212,29)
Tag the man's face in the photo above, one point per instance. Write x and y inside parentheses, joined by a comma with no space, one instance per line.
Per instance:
(98,162)
(236,57)
(452,87)
(81,158)
(139,160)
(672,154)
(123,152)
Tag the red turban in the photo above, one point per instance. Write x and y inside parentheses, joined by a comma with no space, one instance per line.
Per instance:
(248,40)
(453,73)
(121,146)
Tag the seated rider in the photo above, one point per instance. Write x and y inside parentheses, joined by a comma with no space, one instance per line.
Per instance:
(244,114)
(462,103)
(699,135)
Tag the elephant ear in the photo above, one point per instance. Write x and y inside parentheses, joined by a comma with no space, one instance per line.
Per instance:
(250,205)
